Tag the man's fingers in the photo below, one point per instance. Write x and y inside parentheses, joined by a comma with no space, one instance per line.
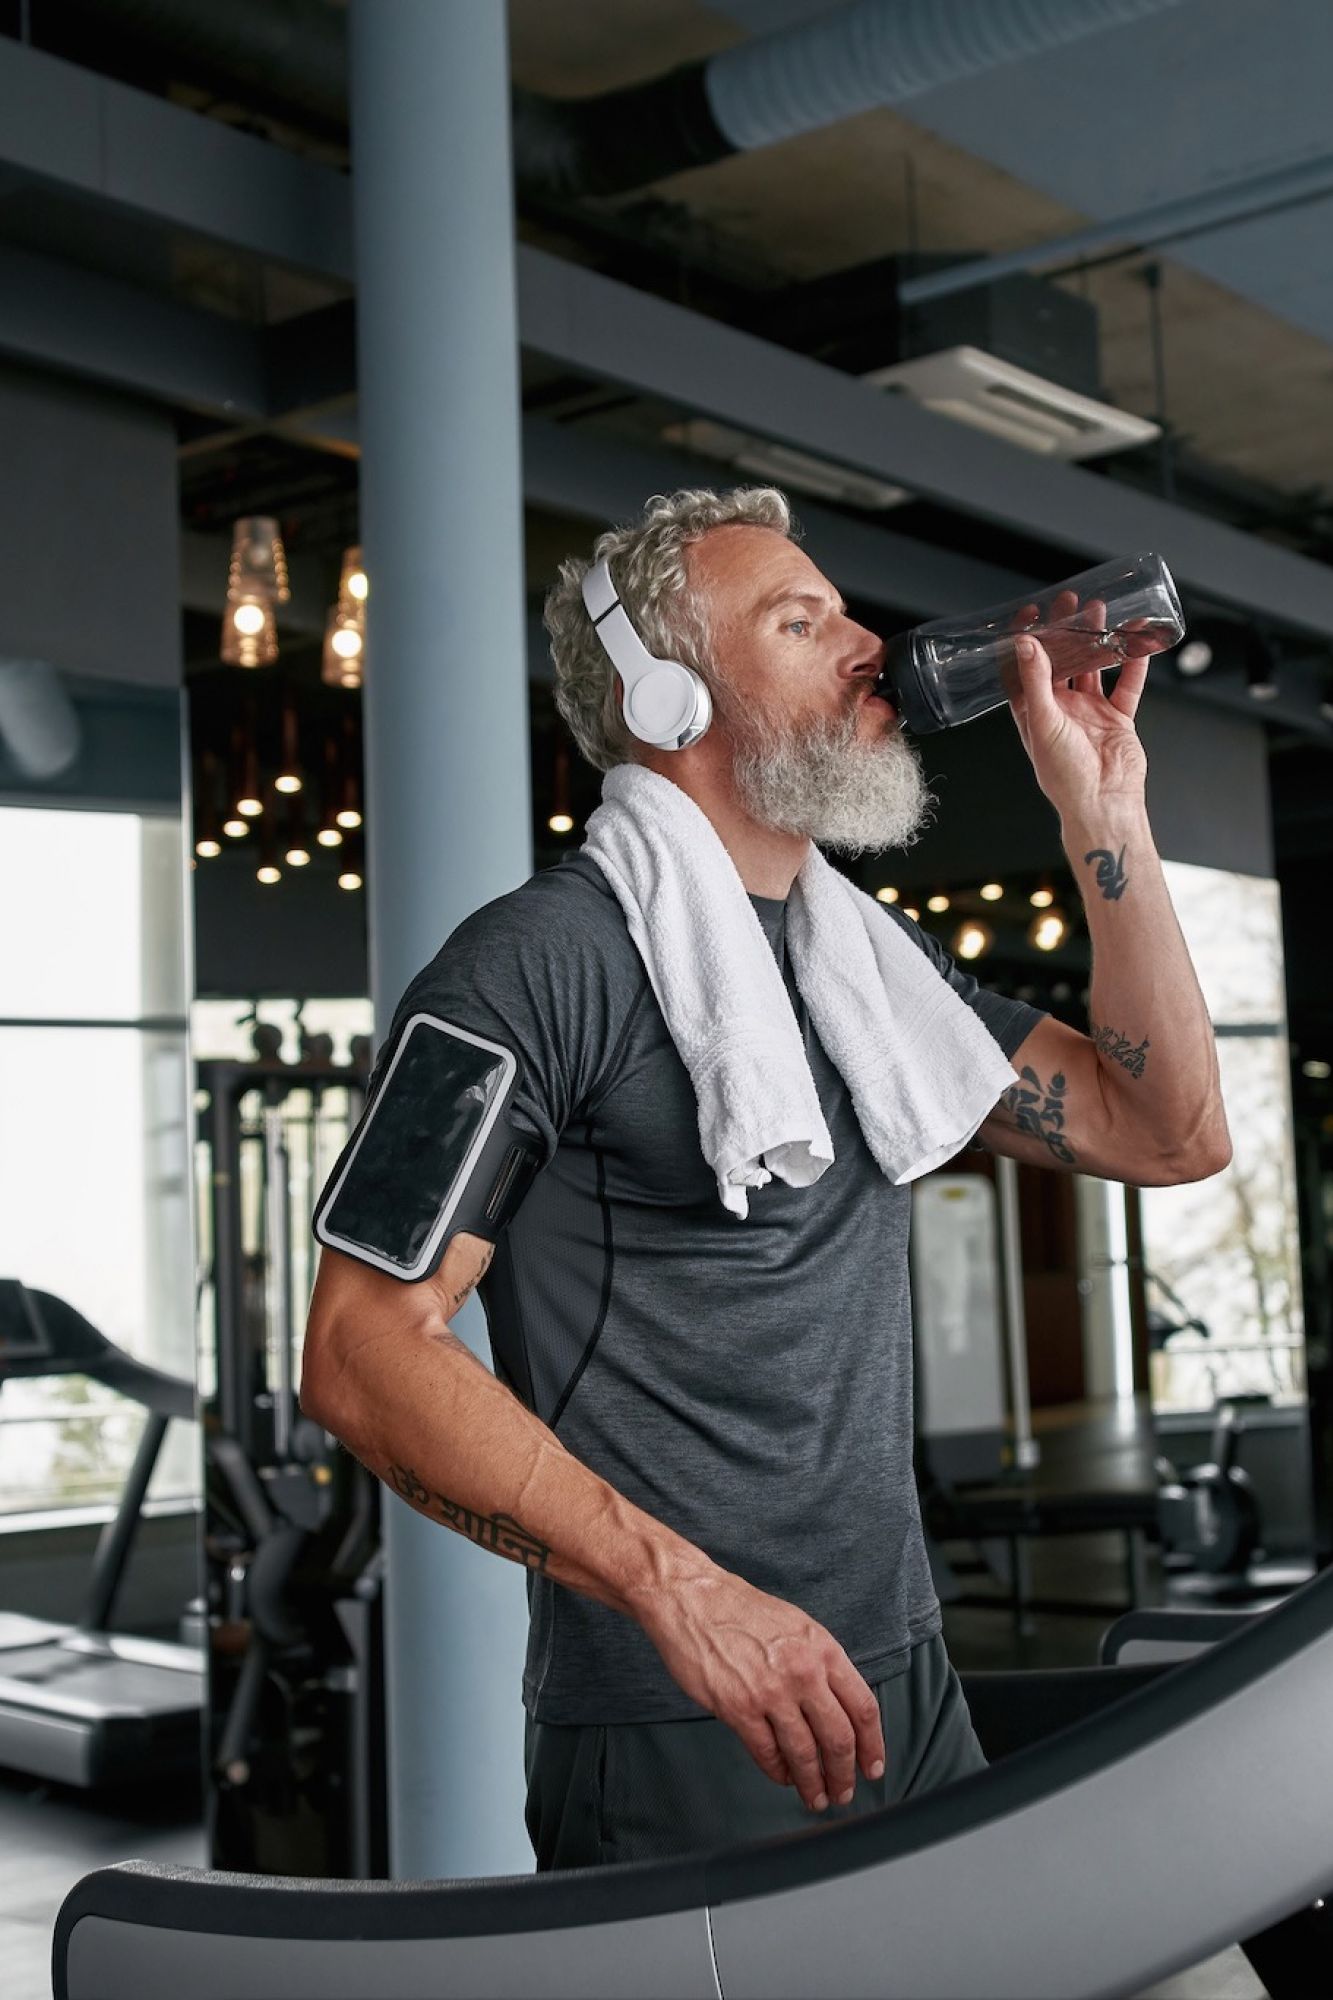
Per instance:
(1128,690)
(861,1707)
(800,1752)
(833,1731)
(1034,672)
(762,1745)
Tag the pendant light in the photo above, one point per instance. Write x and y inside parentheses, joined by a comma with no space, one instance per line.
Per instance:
(330,834)
(561,819)
(344,658)
(256,581)
(289,777)
(246,798)
(207,845)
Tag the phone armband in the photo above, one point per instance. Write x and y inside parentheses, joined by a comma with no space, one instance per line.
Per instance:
(433,1153)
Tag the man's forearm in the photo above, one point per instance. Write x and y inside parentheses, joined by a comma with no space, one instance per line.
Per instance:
(417,1407)
(1148,1019)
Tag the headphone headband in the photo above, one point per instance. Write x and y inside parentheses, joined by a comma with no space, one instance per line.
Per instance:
(666,704)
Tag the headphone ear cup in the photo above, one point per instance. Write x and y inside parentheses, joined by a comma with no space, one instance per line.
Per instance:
(669,707)
(703,711)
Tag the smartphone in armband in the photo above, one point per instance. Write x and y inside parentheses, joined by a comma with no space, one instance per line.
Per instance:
(433,1153)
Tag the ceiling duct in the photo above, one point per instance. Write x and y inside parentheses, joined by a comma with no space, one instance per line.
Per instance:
(886,51)
(290,57)
(868,53)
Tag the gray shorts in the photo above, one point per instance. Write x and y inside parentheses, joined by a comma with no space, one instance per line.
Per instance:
(640,1791)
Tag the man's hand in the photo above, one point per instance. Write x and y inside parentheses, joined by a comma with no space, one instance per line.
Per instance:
(1082,742)
(775,1677)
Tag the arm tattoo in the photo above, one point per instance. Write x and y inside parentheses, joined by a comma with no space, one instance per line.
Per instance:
(499,1532)
(1044,1120)
(1118,1048)
(1111,877)
(460,1298)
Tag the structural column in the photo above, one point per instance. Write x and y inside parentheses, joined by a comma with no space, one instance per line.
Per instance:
(447,794)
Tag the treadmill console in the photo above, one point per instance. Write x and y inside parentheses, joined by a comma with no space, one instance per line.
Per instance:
(23,1336)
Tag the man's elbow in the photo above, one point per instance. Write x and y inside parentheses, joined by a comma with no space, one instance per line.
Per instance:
(1205,1156)
(320,1375)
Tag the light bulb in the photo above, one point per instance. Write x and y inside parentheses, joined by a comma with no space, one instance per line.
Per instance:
(349,817)
(298,857)
(972,939)
(329,836)
(886,895)
(1041,899)
(560,823)
(288,781)
(1315,1067)
(235,828)
(1194,657)
(268,873)
(248,619)
(349,879)
(346,642)
(908,911)
(1048,933)
(358,585)
(937,903)
(250,808)
(991,892)
(349,680)
(208,848)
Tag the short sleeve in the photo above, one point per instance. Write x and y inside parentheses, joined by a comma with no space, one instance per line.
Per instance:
(524,971)
(1009,1021)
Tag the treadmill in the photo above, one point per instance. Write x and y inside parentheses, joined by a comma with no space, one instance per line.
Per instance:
(79,1703)
(1114,1845)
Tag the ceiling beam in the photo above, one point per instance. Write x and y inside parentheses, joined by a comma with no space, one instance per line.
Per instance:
(58,316)
(106,142)
(612,333)
(102,141)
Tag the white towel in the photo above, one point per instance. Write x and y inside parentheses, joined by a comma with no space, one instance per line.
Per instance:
(922,1070)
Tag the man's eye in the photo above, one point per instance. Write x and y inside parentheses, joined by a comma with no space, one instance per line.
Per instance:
(802,623)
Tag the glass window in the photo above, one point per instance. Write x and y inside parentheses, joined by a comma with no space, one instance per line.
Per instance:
(1228,1248)
(94,1146)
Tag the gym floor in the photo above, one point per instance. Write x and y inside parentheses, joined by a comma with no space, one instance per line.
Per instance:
(50,1836)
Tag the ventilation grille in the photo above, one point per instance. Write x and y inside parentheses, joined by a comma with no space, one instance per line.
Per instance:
(1024,409)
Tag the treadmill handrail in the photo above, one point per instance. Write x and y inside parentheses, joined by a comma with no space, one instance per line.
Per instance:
(77,1348)
(187,1899)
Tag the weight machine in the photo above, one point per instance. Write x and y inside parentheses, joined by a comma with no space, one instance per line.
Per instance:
(293,1573)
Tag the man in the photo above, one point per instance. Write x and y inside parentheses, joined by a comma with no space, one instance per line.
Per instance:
(699,1437)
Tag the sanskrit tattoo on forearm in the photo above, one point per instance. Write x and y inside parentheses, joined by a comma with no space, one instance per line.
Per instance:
(1041,1112)
(498,1532)
(1120,1049)
(1111,877)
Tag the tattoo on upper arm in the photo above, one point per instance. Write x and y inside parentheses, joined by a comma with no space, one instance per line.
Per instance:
(1111,877)
(1041,1112)
(499,1532)
(1120,1049)
(461,1296)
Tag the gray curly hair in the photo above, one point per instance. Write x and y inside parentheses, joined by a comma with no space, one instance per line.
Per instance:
(647,559)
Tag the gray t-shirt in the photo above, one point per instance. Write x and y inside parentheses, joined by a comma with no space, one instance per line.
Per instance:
(747,1382)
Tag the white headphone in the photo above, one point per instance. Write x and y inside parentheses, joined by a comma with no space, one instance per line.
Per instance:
(666,704)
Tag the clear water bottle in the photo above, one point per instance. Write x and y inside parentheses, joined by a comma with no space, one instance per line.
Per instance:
(954,669)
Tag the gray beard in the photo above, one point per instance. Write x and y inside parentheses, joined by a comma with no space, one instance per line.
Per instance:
(819,780)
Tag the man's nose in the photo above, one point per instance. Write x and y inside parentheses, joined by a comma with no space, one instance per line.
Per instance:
(864,658)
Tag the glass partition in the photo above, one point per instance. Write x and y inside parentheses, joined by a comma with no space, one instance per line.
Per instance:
(1222,1256)
(94,1147)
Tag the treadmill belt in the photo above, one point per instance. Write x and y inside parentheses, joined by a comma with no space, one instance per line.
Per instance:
(98,1682)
